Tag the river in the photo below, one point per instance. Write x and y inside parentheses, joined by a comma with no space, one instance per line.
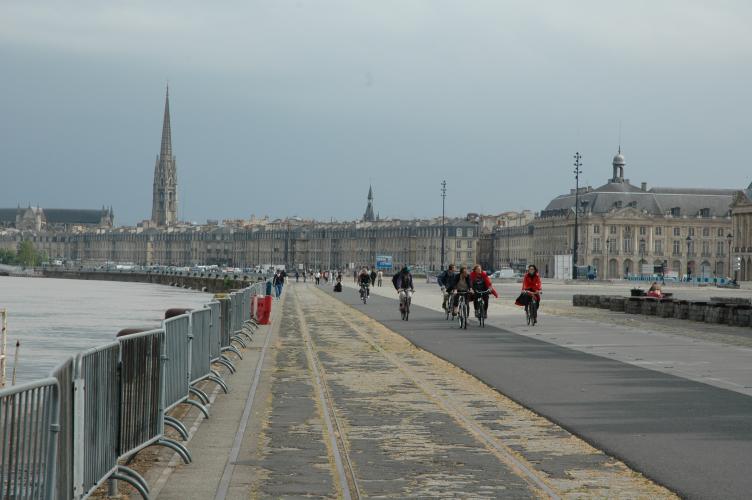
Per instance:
(56,318)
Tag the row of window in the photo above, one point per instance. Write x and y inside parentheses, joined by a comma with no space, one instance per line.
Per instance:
(677,246)
(706,231)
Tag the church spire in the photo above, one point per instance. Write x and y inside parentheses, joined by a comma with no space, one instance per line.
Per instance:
(165,197)
(368,216)
(166,149)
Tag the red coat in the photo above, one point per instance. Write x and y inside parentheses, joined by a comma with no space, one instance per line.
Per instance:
(532,282)
(486,281)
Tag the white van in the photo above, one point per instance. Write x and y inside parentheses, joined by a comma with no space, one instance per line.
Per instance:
(504,272)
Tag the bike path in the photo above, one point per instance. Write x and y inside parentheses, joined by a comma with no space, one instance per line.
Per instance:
(694,438)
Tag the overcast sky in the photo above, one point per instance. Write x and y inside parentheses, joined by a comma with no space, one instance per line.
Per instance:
(293,108)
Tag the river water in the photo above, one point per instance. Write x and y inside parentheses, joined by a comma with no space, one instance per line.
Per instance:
(56,318)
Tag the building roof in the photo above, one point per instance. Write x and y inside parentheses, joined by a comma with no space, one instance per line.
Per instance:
(72,216)
(619,193)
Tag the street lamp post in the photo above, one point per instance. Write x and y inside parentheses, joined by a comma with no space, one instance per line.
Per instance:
(729,239)
(443,221)
(642,253)
(577,172)
(689,273)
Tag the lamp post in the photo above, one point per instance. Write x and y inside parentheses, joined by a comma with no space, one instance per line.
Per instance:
(689,273)
(443,228)
(729,239)
(577,172)
(642,253)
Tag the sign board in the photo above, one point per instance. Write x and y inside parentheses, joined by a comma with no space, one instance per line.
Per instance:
(383,262)
(647,269)
(562,267)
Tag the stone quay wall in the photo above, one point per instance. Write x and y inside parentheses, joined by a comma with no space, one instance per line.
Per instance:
(719,310)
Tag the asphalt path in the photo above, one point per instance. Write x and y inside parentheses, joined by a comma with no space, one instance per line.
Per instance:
(693,438)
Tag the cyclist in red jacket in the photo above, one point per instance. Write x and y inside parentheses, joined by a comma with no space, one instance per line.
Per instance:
(482,283)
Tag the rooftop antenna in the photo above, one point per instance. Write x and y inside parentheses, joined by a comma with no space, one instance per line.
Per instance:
(619,136)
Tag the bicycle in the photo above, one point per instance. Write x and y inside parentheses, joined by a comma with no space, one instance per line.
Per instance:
(405,299)
(463,309)
(364,293)
(531,309)
(481,311)
(446,305)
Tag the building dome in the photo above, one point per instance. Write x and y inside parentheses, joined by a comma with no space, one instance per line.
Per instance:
(619,160)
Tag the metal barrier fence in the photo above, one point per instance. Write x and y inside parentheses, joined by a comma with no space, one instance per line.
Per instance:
(141,388)
(29,423)
(97,417)
(64,375)
(63,436)
(200,345)
(178,364)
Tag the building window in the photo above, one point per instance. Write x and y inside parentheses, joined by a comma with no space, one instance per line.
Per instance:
(659,247)
(705,232)
(643,230)
(469,244)
(458,243)
(658,231)
(469,233)
(720,232)
(691,231)
(677,247)
(459,232)
(596,229)
(705,212)
(612,229)
(627,245)
(719,249)
(677,231)
(675,212)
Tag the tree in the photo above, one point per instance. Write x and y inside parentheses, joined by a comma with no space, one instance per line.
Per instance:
(27,256)
(7,257)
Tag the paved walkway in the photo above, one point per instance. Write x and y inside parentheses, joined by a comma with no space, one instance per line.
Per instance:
(345,408)
(693,437)
(705,353)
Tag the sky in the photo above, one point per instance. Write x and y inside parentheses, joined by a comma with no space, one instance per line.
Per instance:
(292,108)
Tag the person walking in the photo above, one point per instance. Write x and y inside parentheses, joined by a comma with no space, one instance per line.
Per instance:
(373,277)
(379,277)
(278,281)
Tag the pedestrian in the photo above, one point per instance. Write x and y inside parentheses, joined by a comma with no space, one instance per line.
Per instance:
(278,281)
(379,277)
(373,277)
(305,276)
(317,276)
(297,276)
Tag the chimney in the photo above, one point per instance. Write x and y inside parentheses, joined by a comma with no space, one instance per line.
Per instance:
(644,186)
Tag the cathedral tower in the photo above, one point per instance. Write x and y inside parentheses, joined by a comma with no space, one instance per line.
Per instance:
(164,211)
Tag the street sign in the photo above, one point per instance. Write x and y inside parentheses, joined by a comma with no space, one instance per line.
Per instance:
(383,262)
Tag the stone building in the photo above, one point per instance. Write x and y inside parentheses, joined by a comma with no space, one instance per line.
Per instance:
(627,230)
(164,211)
(292,242)
(55,219)
(741,233)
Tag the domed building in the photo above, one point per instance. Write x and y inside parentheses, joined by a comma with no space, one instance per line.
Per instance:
(627,230)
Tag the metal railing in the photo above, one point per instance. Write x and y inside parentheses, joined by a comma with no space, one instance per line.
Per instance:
(64,436)
(96,418)
(29,423)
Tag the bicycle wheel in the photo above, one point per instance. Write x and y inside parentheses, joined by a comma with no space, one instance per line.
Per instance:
(527,314)
(467,313)
(535,313)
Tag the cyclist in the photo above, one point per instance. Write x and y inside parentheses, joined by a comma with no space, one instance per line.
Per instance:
(403,283)
(481,283)
(460,284)
(364,280)
(443,280)
(531,289)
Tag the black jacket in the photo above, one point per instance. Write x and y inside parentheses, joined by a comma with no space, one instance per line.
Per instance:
(452,284)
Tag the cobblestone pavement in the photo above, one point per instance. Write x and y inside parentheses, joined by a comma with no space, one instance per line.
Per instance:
(355,410)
